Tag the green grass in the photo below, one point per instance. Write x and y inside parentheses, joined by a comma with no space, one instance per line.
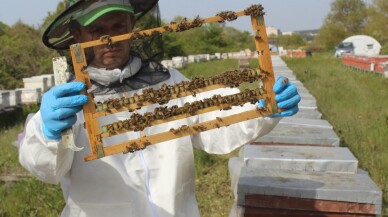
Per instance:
(30,197)
(213,192)
(8,162)
(356,105)
(27,196)
(207,69)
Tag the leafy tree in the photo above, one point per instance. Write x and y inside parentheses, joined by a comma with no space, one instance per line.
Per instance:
(377,23)
(172,46)
(330,35)
(293,41)
(22,54)
(210,38)
(238,40)
(347,17)
(3,28)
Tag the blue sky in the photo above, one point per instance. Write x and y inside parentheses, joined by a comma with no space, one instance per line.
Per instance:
(288,15)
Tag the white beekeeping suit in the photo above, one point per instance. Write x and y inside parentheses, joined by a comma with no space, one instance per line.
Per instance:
(158,181)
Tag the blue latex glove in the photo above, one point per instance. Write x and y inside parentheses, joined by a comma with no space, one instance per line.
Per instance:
(287,98)
(59,107)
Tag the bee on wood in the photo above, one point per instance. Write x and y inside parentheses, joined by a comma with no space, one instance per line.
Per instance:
(130,148)
(183,128)
(199,128)
(167,28)
(99,138)
(174,131)
(227,15)
(183,25)
(255,10)
(197,22)
(146,143)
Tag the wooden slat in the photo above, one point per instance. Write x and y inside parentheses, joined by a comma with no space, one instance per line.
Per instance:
(190,130)
(91,125)
(134,106)
(264,58)
(149,31)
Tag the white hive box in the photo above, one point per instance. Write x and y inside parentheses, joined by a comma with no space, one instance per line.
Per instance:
(30,95)
(36,82)
(308,113)
(191,59)
(167,63)
(50,80)
(302,131)
(300,158)
(4,94)
(177,62)
(15,98)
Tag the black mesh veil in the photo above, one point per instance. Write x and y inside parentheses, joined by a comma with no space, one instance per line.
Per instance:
(149,48)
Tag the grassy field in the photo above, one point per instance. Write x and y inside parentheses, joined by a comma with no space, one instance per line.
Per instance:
(354,103)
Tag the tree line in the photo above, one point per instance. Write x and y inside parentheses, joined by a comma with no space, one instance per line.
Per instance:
(22,53)
(355,17)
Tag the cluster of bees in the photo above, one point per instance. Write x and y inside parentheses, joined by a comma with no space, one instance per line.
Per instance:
(136,146)
(185,24)
(255,10)
(138,122)
(139,34)
(227,15)
(168,92)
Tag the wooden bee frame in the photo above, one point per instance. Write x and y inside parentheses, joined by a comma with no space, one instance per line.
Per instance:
(93,111)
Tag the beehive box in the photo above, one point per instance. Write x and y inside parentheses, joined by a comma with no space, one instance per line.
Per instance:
(299,193)
(50,80)
(30,96)
(15,98)
(4,100)
(302,131)
(299,158)
(36,82)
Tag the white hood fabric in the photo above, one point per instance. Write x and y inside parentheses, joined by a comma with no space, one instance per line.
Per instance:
(107,77)
(158,181)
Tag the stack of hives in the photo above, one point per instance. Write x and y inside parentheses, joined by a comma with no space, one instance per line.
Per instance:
(299,170)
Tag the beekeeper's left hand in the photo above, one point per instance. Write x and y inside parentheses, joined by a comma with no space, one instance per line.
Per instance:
(287,98)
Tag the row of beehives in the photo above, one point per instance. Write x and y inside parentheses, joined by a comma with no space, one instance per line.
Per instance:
(30,94)
(298,169)
(182,61)
(35,86)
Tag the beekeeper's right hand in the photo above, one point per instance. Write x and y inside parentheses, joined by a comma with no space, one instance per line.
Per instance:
(59,108)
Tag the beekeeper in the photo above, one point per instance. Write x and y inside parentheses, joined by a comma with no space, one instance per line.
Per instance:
(158,181)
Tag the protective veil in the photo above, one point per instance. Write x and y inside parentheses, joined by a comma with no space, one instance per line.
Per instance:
(158,181)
